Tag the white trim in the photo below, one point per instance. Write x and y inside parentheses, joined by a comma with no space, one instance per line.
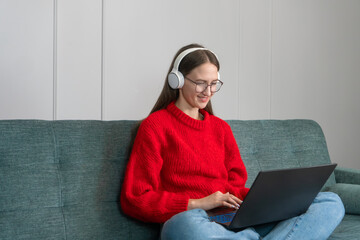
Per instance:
(271,13)
(102,63)
(240,59)
(55,29)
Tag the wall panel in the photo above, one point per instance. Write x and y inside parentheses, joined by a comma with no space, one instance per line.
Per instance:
(26,59)
(79,62)
(255,59)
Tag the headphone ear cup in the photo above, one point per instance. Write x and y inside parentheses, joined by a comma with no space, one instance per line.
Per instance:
(175,79)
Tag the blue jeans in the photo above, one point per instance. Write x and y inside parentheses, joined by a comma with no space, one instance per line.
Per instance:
(320,220)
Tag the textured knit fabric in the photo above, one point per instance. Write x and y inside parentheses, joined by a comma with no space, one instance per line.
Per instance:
(176,158)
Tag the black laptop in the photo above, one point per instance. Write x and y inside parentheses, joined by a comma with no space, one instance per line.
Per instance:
(275,195)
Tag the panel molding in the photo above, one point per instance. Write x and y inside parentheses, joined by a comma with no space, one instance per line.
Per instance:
(102,60)
(55,62)
(270,77)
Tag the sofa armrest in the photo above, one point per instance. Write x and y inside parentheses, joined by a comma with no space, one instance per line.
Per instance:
(349,194)
(347,175)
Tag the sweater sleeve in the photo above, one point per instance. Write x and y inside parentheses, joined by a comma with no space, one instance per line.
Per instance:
(237,174)
(142,196)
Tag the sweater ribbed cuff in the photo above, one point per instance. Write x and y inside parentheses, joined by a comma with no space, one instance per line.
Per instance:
(174,206)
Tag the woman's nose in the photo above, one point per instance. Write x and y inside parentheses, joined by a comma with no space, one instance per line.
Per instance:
(207,91)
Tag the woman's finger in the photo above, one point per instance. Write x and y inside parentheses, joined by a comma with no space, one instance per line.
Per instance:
(237,200)
(229,205)
(232,201)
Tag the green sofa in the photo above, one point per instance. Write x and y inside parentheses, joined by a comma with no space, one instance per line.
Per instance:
(62,179)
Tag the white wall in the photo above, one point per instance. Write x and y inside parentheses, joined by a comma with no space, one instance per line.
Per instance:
(107,60)
(26,59)
(78,59)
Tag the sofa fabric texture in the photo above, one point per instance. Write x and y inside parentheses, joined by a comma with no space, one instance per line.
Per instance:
(62,179)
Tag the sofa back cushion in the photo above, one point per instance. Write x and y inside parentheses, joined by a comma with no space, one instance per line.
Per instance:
(30,190)
(278,144)
(62,179)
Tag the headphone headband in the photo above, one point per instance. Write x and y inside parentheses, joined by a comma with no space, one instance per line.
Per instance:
(175,77)
(183,54)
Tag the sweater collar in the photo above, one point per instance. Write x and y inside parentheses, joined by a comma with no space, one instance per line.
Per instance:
(185,119)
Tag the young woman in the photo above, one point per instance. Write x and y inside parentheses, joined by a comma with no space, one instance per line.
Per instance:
(185,161)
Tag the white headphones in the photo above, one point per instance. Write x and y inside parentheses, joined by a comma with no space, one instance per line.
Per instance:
(175,77)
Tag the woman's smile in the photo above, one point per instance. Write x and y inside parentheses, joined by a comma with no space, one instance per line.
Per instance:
(203,99)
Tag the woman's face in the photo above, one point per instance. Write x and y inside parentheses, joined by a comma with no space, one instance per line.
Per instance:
(189,97)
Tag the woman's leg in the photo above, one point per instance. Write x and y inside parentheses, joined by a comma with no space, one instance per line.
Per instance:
(320,220)
(195,224)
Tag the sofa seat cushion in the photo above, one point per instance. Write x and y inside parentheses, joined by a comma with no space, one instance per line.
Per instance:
(349,228)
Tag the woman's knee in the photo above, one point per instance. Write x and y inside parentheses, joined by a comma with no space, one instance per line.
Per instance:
(331,198)
(334,204)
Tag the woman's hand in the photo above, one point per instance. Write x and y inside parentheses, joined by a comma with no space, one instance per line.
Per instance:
(217,199)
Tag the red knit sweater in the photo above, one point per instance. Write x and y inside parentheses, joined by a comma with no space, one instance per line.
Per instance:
(176,158)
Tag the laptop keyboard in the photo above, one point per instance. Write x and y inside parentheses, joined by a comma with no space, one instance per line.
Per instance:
(223,218)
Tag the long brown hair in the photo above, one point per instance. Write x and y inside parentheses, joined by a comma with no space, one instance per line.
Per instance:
(187,64)
(168,95)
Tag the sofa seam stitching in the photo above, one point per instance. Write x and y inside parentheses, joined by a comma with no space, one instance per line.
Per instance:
(57,162)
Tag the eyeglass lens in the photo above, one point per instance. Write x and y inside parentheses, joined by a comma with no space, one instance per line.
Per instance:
(214,87)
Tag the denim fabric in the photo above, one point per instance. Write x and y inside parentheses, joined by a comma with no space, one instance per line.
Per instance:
(322,217)
(320,220)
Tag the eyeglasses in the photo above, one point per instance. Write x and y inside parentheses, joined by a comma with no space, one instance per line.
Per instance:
(201,86)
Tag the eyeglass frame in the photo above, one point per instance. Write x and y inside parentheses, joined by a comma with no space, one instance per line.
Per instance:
(207,85)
